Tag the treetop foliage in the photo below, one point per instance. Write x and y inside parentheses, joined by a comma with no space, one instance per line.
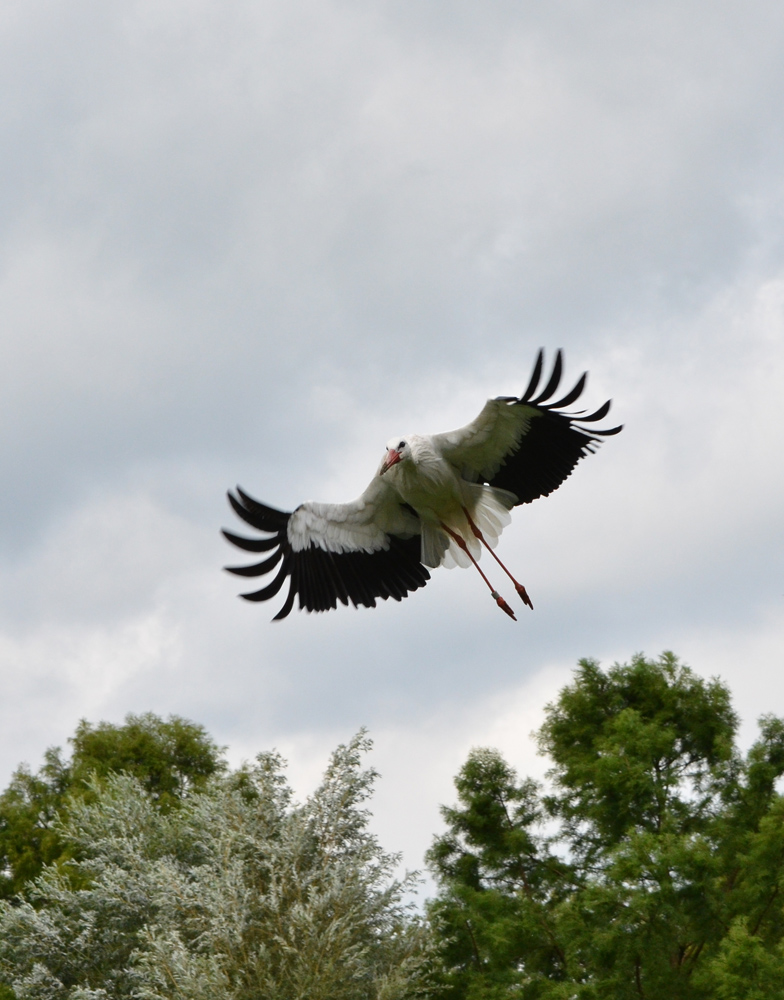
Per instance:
(660,870)
(234,895)
(639,747)
(170,758)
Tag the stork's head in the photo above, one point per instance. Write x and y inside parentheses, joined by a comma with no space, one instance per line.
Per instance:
(398,450)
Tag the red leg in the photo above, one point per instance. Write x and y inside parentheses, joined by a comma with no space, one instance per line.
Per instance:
(518,586)
(493,593)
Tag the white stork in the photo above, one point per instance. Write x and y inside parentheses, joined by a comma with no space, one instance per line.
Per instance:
(434,501)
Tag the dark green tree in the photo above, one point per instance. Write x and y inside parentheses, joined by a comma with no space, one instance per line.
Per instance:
(170,758)
(661,873)
(500,883)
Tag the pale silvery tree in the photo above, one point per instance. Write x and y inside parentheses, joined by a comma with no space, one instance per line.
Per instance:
(234,894)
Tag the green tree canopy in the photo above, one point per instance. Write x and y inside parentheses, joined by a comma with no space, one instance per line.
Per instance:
(170,758)
(651,869)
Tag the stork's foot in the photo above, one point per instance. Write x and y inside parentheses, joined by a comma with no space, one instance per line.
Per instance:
(524,595)
(502,604)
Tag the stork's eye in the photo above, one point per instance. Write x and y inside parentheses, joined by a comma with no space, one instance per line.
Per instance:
(401,446)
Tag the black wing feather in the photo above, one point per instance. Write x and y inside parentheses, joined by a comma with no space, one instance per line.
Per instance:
(250,544)
(258,569)
(553,383)
(536,374)
(272,588)
(320,579)
(573,394)
(555,441)
(599,414)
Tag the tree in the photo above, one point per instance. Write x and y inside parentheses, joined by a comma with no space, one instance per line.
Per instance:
(235,894)
(660,875)
(170,759)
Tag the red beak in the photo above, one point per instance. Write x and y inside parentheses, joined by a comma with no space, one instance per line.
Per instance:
(393,457)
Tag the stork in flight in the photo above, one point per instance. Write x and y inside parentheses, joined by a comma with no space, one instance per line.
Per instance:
(435,500)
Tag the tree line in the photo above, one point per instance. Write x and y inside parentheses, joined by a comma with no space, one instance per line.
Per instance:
(650,864)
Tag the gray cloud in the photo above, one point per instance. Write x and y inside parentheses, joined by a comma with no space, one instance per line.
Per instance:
(249,242)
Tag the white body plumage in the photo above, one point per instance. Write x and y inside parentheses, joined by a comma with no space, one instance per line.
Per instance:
(426,481)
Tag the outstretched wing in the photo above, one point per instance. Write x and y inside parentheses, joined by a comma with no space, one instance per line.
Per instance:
(527,445)
(354,552)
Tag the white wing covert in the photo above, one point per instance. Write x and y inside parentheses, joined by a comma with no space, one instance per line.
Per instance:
(362,525)
(478,450)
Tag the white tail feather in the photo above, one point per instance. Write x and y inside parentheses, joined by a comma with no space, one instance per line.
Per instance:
(489,509)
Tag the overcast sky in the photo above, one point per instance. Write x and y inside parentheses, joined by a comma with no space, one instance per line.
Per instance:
(249,242)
